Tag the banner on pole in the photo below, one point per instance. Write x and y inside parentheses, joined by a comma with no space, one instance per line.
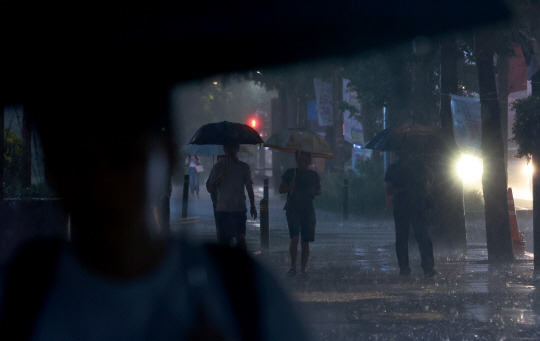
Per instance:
(324,99)
(466,117)
(312,114)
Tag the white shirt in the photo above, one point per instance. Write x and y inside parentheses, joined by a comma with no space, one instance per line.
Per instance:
(231,195)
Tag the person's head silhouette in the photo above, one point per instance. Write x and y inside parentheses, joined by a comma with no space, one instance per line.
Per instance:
(109,152)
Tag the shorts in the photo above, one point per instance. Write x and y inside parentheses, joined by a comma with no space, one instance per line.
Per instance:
(301,223)
(230,224)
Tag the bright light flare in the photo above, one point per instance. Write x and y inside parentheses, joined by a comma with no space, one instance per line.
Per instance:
(469,168)
(528,169)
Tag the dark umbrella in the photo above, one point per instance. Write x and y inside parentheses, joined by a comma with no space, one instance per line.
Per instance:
(410,137)
(226,132)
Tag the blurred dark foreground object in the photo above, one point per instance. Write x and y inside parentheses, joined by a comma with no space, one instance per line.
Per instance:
(175,37)
(109,151)
(31,274)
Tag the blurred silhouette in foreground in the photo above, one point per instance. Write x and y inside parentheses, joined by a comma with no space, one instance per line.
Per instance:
(301,185)
(109,153)
(407,181)
(227,181)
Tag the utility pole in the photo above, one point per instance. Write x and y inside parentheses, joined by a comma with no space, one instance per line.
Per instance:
(2,140)
(26,159)
(337,128)
(277,125)
(451,218)
(535,83)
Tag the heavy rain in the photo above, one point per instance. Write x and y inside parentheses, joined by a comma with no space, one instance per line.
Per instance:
(420,167)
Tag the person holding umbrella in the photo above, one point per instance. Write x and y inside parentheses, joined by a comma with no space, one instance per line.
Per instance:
(407,181)
(301,185)
(227,179)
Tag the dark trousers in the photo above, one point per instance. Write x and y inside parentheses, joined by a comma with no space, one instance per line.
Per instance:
(403,220)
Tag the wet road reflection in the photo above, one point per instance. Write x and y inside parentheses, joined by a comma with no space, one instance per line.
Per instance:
(354,291)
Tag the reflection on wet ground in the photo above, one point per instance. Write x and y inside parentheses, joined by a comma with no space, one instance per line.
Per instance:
(354,291)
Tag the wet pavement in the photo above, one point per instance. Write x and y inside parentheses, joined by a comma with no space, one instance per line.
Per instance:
(354,291)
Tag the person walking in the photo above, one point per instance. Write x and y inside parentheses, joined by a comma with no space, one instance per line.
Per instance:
(228,180)
(213,194)
(407,181)
(301,185)
(192,162)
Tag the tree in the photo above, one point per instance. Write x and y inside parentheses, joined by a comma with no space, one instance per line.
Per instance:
(295,87)
(226,97)
(526,130)
(449,191)
(494,180)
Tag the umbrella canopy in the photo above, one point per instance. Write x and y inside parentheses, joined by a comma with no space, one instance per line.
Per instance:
(410,137)
(226,132)
(204,149)
(292,140)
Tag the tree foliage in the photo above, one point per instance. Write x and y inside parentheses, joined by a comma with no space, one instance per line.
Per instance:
(526,127)
(224,98)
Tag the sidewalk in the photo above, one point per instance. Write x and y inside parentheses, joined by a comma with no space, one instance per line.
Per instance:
(355,293)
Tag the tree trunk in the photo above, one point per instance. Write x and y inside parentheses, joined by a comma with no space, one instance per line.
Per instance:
(276,124)
(536,211)
(2,143)
(334,133)
(26,158)
(450,214)
(284,116)
(502,91)
(535,82)
(494,181)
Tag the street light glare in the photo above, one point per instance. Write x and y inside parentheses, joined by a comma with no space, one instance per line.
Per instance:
(528,169)
(469,168)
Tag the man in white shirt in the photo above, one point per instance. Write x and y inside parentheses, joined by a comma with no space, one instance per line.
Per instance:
(228,178)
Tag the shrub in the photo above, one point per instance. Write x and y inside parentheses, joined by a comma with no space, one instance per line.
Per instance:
(366,190)
(473,200)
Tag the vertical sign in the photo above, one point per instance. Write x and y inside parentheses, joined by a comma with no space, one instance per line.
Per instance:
(466,117)
(324,98)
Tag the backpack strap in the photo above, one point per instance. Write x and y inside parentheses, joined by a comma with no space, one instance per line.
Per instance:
(28,279)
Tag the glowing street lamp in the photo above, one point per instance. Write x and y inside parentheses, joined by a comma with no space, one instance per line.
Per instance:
(469,168)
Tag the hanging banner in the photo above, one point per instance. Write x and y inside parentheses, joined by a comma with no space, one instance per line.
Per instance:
(312,114)
(353,131)
(466,117)
(324,99)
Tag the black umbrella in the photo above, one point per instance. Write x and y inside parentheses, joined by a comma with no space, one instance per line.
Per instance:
(226,132)
(410,137)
